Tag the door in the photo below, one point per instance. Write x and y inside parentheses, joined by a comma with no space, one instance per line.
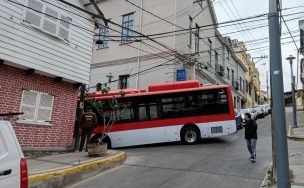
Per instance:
(9,157)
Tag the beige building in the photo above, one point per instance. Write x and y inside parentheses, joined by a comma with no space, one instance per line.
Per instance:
(196,50)
(252,77)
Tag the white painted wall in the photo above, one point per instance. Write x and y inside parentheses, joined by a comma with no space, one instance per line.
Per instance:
(119,59)
(22,45)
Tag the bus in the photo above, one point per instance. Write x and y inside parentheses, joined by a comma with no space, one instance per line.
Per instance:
(169,112)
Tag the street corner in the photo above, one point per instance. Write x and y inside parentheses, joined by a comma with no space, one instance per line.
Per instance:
(76,172)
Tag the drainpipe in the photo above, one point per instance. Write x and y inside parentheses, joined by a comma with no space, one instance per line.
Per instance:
(138,52)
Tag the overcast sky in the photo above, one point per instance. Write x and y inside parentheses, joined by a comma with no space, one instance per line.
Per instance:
(234,9)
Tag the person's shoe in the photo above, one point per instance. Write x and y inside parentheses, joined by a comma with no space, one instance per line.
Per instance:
(253,159)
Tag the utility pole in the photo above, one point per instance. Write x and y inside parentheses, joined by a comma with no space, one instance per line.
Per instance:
(293,92)
(278,110)
(267,85)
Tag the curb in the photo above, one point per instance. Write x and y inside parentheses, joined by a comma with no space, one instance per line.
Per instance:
(268,179)
(64,177)
(296,138)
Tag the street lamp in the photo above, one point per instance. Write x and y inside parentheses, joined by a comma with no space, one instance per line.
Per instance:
(295,125)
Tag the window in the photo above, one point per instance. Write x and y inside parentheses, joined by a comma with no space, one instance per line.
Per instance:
(123,81)
(232,76)
(103,36)
(244,86)
(196,38)
(172,105)
(127,23)
(247,88)
(210,51)
(250,89)
(228,54)
(53,21)
(190,32)
(228,73)
(241,84)
(36,106)
(216,59)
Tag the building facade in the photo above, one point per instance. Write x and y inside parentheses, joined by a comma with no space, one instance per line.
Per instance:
(252,78)
(45,55)
(183,44)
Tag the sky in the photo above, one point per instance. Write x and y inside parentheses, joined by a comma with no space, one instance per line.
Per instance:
(235,9)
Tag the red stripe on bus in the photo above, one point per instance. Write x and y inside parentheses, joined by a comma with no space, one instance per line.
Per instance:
(167,122)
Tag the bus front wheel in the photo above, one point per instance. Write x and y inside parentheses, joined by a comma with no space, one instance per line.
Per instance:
(190,135)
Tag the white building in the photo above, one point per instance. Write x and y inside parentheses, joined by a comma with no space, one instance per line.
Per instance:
(129,60)
(45,55)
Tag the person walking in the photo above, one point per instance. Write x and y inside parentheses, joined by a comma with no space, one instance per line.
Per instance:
(251,135)
(88,122)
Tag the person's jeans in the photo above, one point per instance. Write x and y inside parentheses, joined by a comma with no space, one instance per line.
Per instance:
(251,145)
(85,135)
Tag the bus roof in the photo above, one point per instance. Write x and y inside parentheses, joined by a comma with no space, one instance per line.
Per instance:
(161,88)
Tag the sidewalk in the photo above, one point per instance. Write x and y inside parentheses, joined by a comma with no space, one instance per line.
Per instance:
(296,155)
(296,166)
(65,169)
(296,134)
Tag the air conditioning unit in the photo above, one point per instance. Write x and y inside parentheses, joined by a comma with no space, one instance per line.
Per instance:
(220,70)
(236,85)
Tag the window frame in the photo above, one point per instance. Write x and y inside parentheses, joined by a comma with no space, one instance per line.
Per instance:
(210,51)
(228,73)
(190,32)
(228,54)
(37,105)
(120,78)
(197,37)
(232,77)
(45,17)
(125,38)
(216,57)
(104,36)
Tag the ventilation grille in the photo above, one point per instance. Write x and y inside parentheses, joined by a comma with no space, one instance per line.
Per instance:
(216,130)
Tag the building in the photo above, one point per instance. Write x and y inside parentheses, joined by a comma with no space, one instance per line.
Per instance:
(182,46)
(45,55)
(263,97)
(252,78)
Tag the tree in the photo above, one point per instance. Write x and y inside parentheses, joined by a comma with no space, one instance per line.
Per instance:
(110,109)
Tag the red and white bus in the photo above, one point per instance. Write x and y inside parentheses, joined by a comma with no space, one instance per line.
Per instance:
(169,112)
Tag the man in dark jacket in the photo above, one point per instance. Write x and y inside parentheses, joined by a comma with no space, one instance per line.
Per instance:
(251,135)
(88,122)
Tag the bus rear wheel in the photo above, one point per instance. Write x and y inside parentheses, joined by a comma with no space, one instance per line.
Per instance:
(190,135)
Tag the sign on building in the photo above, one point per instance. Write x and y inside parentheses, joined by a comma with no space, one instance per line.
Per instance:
(181,75)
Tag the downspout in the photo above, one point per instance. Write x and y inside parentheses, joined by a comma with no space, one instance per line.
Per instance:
(138,52)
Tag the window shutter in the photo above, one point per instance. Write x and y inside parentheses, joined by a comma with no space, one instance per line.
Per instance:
(31,16)
(45,108)
(28,105)
(50,22)
(64,27)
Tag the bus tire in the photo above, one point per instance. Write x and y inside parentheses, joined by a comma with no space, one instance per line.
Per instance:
(107,140)
(190,135)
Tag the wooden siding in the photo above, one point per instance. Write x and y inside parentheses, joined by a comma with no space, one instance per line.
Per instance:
(28,47)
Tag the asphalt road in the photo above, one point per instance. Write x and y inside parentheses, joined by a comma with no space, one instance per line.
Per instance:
(221,162)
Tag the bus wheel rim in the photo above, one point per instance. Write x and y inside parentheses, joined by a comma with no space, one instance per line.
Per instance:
(190,136)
